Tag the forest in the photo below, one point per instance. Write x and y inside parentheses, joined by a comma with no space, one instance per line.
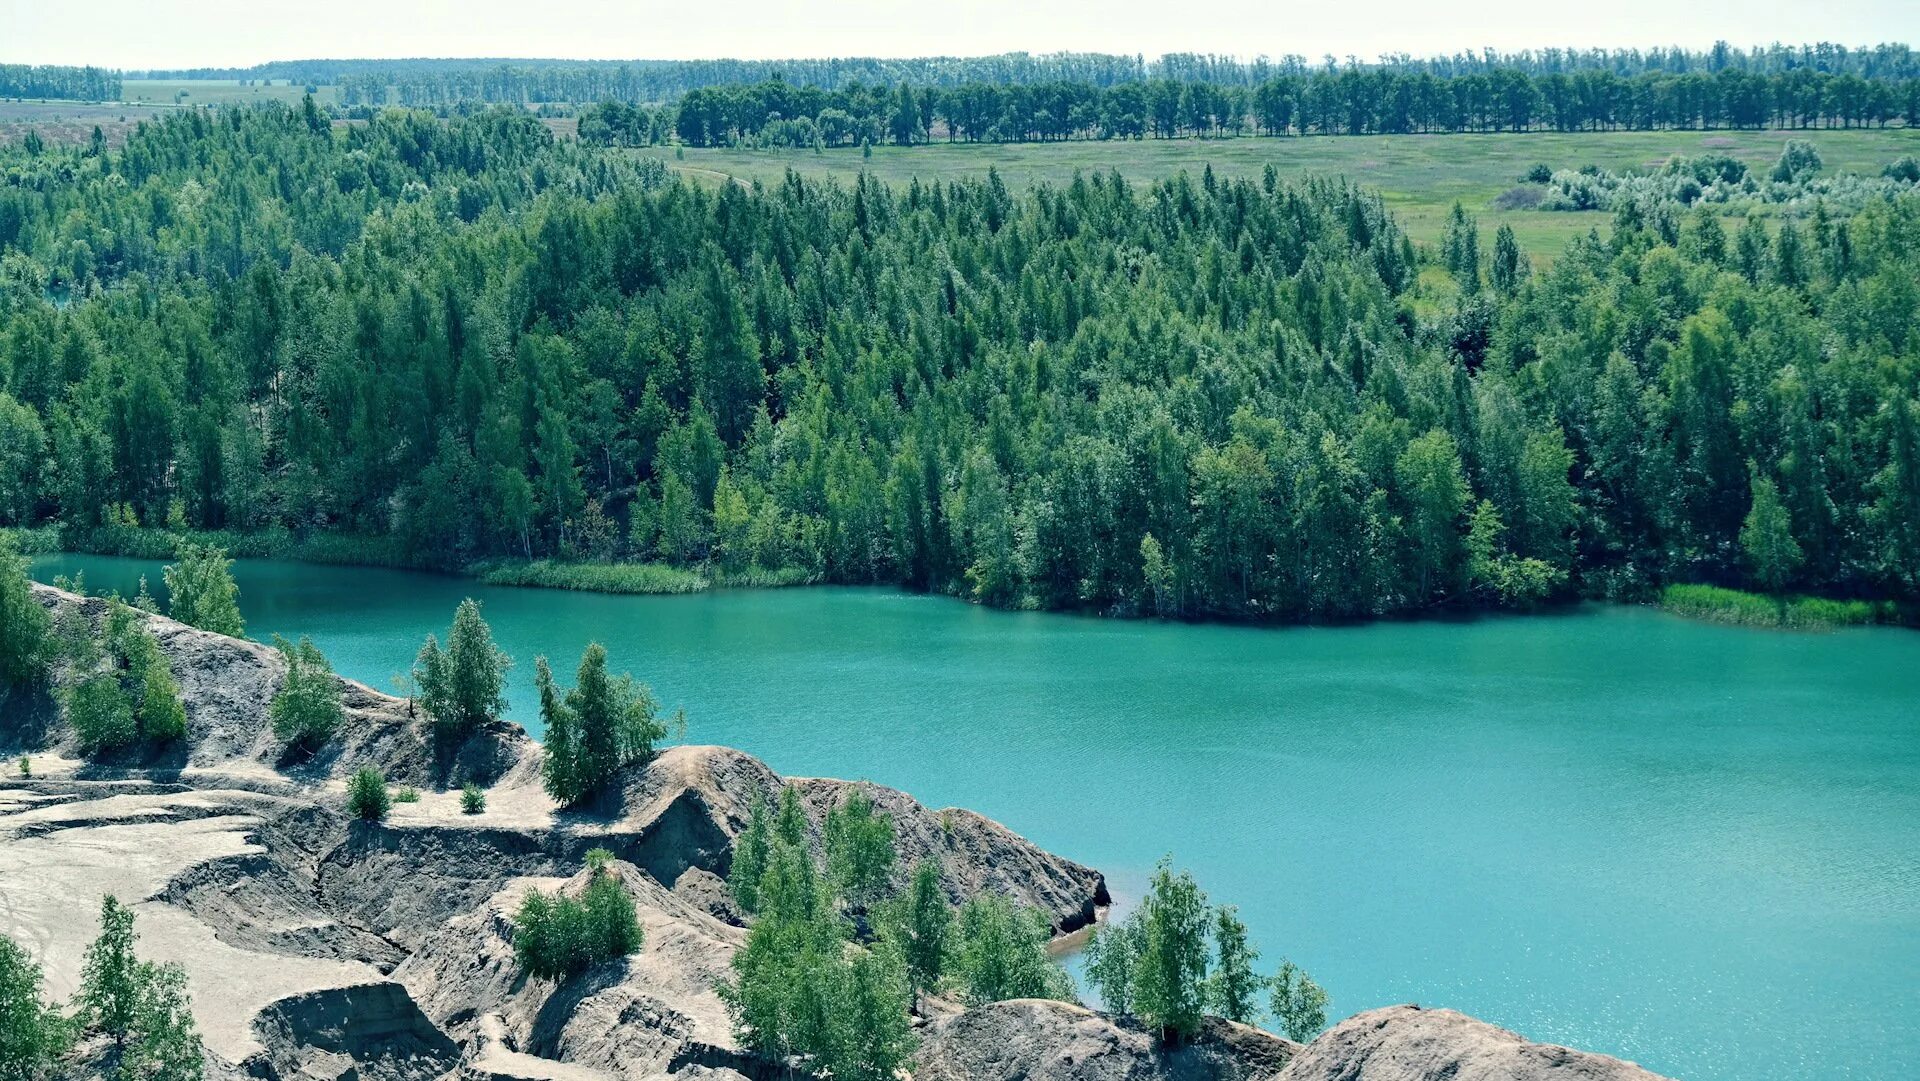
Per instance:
(54,81)
(469,341)
(1351,102)
(446,82)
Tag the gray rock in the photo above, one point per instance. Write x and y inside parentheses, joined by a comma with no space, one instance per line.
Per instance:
(1408,1043)
(1036,1040)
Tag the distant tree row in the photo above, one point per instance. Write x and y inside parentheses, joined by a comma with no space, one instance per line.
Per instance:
(1351,102)
(55,81)
(446,82)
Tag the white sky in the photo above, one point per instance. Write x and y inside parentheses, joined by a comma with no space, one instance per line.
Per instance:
(219,33)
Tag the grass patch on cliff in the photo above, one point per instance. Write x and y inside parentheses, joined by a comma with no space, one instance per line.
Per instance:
(594,577)
(1740,608)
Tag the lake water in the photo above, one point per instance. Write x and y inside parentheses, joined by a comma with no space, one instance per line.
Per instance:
(1693,846)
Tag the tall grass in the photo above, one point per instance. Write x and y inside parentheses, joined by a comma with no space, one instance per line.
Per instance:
(594,577)
(1722,605)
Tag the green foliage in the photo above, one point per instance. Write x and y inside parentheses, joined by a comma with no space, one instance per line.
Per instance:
(367,797)
(141,1006)
(1799,160)
(751,850)
(1767,536)
(1169,978)
(135,698)
(1721,605)
(26,630)
(100,713)
(1175,958)
(1299,1004)
(919,923)
(603,725)
(1113,958)
(145,675)
(1263,379)
(1000,952)
(555,936)
(638,578)
(464,685)
(306,710)
(799,989)
(1233,988)
(203,592)
(473,800)
(33,1035)
(406,793)
(859,848)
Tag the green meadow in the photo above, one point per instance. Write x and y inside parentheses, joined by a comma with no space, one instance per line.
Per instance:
(1420,176)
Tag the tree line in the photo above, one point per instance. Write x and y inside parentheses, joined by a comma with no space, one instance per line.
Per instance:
(57,81)
(1350,102)
(1197,397)
(426,82)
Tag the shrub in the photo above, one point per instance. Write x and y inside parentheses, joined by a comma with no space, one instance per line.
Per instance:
(473,801)
(203,591)
(1798,160)
(145,676)
(100,713)
(1002,953)
(26,631)
(406,794)
(1298,1003)
(555,936)
(462,686)
(1540,173)
(306,710)
(367,797)
(601,726)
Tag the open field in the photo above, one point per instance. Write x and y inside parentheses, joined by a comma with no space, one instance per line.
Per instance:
(217,92)
(1421,176)
(67,122)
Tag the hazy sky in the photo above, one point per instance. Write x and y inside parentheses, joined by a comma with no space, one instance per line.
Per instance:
(192,33)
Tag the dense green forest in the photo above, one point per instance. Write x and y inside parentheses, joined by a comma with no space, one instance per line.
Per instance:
(518,81)
(1197,397)
(53,81)
(1351,102)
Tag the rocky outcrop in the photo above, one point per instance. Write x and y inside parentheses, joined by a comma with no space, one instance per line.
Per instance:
(690,803)
(1037,1040)
(227,684)
(647,1015)
(369,1032)
(1408,1043)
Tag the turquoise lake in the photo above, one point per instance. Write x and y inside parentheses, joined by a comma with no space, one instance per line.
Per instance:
(1694,846)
